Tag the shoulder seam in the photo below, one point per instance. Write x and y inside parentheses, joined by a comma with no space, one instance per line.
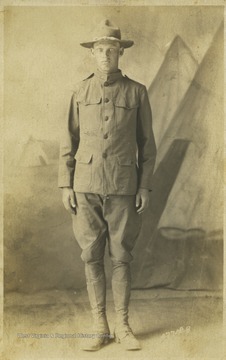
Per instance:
(134,81)
(90,76)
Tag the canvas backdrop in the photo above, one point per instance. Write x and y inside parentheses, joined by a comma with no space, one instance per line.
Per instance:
(178,55)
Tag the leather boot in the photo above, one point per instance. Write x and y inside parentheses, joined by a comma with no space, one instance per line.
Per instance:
(121,285)
(96,287)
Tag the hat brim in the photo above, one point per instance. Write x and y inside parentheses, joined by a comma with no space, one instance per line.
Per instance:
(124,43)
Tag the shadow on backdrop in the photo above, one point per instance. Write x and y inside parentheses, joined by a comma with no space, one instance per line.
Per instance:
(163,181)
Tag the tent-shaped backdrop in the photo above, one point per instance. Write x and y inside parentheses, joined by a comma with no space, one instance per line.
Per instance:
(40,249)
(187,201)
(170,85)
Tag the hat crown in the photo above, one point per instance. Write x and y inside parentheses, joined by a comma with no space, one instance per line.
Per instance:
(107,29)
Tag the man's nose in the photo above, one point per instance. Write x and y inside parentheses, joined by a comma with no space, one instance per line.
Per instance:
(106,52)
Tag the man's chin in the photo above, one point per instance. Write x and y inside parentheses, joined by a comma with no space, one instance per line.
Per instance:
(107,69)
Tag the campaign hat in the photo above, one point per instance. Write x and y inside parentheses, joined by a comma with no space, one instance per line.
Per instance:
(106,30)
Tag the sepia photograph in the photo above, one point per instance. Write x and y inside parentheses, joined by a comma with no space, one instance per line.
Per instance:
(113,149)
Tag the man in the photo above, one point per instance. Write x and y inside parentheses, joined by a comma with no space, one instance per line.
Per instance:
(106,163)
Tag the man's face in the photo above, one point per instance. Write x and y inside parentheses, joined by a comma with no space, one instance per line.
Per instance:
(106,54)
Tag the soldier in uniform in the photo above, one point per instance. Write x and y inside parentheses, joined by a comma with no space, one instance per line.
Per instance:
(107,158)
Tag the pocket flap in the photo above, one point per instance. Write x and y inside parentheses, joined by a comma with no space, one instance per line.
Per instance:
(84,158)
(88,98)
(128,102)
(92,100)
(124,161)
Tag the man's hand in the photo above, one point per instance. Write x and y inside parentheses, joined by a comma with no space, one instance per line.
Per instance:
(142,200)
(69,200)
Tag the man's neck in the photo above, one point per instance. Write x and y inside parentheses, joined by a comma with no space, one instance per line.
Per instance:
(108,72)
(108,77)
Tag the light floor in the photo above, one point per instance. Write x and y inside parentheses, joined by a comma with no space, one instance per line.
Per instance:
(169,324)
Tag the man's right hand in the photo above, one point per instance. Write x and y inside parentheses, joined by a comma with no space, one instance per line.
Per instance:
(69,199)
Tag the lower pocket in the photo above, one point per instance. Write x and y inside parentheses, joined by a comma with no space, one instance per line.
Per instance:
(125,177)
(83,170)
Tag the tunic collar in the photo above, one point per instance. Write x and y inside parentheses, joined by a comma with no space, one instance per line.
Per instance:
(108,78)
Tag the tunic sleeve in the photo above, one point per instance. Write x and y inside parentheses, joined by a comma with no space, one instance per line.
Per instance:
(145,141)
(69,145)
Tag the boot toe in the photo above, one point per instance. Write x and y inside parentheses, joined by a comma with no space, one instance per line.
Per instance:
(130,343)
(127,339)
(94,344)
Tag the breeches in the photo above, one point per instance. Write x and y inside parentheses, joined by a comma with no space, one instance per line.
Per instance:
(101,218)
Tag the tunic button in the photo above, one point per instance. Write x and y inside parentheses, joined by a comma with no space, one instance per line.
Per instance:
(106,118)
(104,155)
(106,100)
(105,136)
(106,83)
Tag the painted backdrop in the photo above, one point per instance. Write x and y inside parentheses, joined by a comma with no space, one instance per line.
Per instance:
(178,55)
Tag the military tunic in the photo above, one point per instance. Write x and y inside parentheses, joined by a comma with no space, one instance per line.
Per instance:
(109,147)
(107,152)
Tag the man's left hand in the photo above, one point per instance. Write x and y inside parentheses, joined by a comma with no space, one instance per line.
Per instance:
(142,200)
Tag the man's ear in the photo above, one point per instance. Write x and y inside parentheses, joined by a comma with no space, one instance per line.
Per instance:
(121,51)
(92,51)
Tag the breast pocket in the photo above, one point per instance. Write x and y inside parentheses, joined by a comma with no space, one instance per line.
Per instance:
(125,111)
(90,114)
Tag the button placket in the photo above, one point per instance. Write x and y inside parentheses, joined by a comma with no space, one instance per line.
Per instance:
(106,113)
(107,105)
